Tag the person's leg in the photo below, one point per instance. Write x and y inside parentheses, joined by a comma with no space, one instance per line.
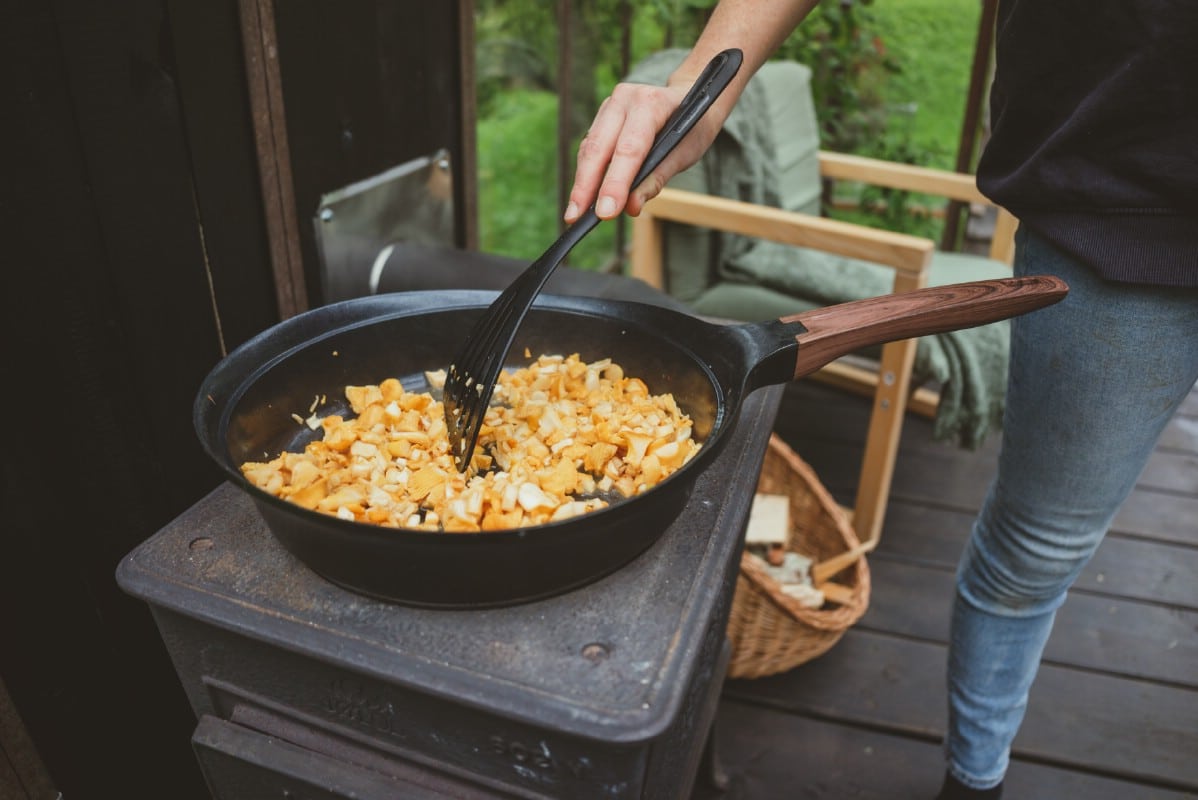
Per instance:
(1093,381)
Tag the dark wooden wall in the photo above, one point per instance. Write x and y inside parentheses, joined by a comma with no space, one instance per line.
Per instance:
(366,86)
(137,252)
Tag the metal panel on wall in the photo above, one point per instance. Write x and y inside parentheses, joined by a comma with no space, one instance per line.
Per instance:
(364,87)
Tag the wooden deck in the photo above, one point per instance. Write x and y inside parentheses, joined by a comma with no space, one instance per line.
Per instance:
(1114,711)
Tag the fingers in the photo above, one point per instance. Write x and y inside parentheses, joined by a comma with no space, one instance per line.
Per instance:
(615,147)
(594,153)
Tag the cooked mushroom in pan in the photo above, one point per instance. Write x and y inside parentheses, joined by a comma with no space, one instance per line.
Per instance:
(561,438)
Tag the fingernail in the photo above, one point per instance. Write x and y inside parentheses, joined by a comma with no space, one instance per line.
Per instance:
(571,211)
(606,207)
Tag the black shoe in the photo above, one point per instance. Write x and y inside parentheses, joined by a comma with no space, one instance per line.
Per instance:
(953,789)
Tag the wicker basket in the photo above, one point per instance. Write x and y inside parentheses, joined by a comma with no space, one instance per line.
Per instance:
(771,632)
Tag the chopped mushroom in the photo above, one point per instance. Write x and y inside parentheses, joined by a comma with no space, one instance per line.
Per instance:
(563,431)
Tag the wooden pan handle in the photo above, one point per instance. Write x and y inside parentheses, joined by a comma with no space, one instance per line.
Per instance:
(842,329)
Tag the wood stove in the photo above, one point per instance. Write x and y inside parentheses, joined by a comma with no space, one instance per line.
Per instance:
(304,690)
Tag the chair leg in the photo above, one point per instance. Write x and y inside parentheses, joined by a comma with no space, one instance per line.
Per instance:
(882,439)
(712,768)
(647,254)
(864,382)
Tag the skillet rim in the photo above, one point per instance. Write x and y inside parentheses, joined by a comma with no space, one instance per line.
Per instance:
(281,341)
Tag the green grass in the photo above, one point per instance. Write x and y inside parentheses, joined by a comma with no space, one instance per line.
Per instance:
(932,41)
(516,166)
(519,213)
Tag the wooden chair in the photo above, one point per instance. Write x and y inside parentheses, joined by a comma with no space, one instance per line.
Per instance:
(910,258)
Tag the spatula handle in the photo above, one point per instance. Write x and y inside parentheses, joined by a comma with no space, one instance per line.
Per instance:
(842,329)
(711,82)
(706,89)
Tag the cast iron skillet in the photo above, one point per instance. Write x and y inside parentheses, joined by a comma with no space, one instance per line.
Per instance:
(244,409)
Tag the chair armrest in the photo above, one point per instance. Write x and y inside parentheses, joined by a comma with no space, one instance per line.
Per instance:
(908,255)
(958,186)
(906,177)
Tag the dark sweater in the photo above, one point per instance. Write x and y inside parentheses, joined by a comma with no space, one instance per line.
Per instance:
(1094,144)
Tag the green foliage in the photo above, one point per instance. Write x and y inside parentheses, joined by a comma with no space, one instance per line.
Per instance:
(515,68)
(890,78)
(517,40)
(891,209)
(516,163)
(934,41)
(849,66)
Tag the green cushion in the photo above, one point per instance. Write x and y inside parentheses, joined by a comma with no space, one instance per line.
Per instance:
(826,278)
(969,365)
(688,252)
(746,302)
(962,267)
(790,116)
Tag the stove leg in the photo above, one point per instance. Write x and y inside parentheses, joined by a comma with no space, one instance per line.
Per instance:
(711,767)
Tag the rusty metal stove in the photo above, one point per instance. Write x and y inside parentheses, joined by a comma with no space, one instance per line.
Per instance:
(304,690)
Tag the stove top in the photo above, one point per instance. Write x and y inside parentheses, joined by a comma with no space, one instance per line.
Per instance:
(611,662)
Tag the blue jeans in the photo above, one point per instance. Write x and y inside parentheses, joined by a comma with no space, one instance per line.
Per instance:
(1093,381)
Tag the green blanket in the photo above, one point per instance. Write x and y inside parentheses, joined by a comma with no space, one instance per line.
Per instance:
(767,154)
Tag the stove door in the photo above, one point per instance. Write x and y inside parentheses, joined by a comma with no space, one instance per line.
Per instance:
(239,762)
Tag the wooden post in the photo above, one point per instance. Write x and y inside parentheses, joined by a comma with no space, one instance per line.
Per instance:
(972,122)
(274,157)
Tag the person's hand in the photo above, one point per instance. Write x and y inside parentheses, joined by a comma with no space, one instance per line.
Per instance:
(618,141)
(614,148)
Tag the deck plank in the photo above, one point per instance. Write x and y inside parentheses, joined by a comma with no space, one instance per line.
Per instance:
(1141,569)
(1181,434)
(1171,471)
(1077,719)
(1114,712)
(1163,517)
(1125,566)
(1115,635)
(770,754)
